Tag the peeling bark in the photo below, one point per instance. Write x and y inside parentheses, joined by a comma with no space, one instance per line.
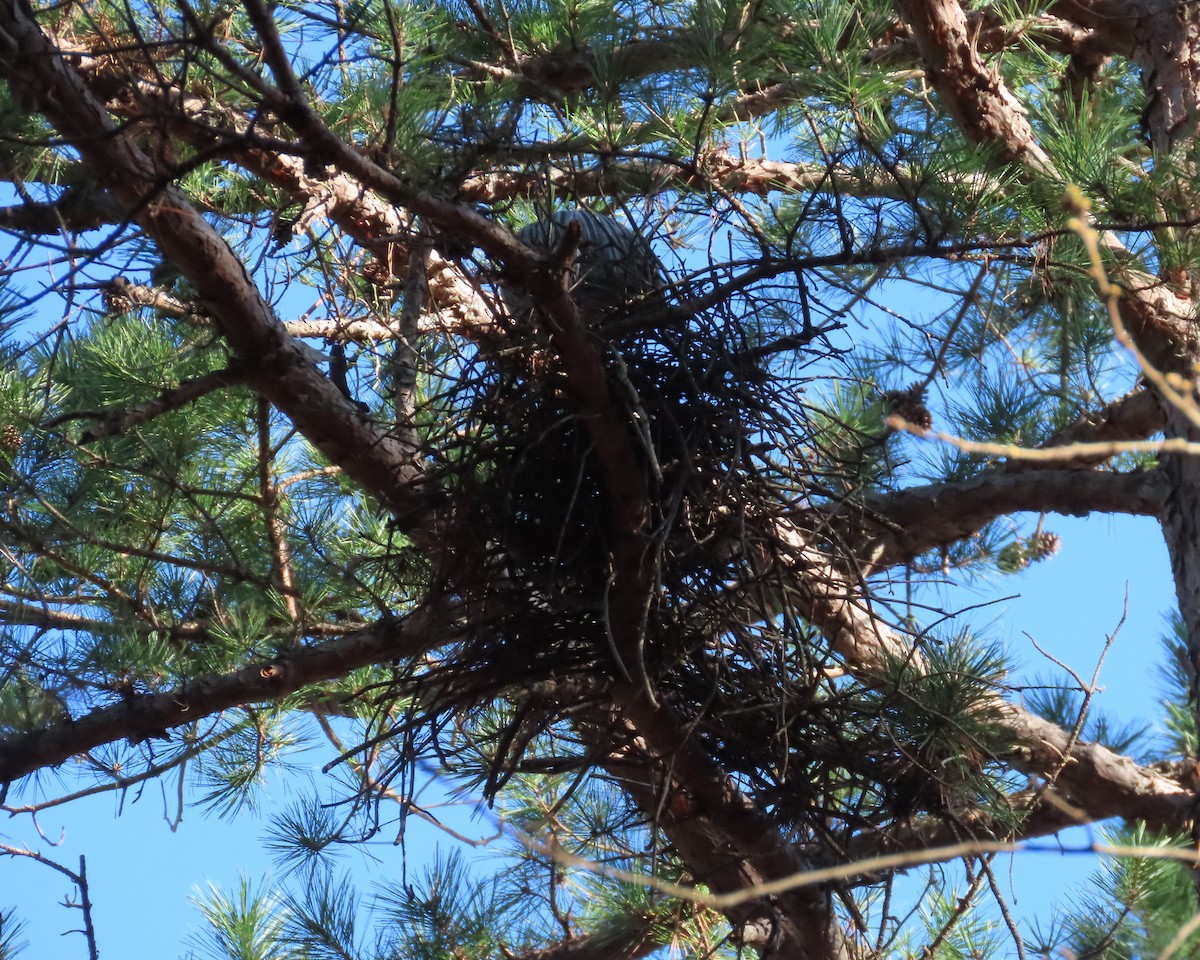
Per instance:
(973,93)
(1163,39)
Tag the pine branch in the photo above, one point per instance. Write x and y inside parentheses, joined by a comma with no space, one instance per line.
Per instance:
(277,366)
(141,717)
(112,423)
(720,833)
(1054,33)
(20,613)
(1110,19)
(376,223)
(633,940)
(574,70)
(1135,416)
(754,176)
(1049,814)
(77,210)
(896,528)
(988,113)
(123,294)
(1097,780)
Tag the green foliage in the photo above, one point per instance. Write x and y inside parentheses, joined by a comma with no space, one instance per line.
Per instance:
(1181,738)
(321,923)
(306,836)
(842,246)
(970,933)
(941,717)
(233,771)
(851,452)
(444,913)
(247,925)
(1135,906)
(10,930)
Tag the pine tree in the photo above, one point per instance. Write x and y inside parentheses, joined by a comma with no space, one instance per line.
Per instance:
(589,407)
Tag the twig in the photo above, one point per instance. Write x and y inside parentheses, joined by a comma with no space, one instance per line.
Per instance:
(80,881)
(1100,448)
(1176,390)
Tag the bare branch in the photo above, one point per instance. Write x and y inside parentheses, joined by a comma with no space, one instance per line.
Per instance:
(898,527)
(138,718)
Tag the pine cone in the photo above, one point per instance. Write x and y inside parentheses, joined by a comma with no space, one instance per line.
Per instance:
(282,232)
(909,405)
(117,302)
(10,438)
(377,273)
(1043,545)
(1013,558)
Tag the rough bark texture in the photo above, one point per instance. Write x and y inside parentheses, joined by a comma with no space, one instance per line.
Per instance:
(144,716)
(973,92)
(727,840)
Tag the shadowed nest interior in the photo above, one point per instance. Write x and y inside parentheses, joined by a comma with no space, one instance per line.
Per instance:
(725,445)
(701,415)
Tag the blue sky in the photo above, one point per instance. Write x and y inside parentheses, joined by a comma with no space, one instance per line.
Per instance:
(143,874)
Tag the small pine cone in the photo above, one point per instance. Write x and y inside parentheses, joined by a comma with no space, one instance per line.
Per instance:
(1043,545)
(10,438)
(909,405)
(376,272)
(917,414)
(117,301)
(1013,558)
(282,231)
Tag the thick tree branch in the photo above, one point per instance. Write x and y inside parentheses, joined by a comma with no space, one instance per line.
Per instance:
(281,371)
(993,35)
(1115,20)
(1136,416)
(77,210)
(121,295)
(896,528)
(723,837)
(1095,779)
(47,617)
(632,939)
(560,72)
(973,93)
(1046,815)
(1161,38)
(267,681)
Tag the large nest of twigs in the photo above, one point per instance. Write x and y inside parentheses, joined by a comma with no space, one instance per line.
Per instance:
(725,447)
(716,438)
